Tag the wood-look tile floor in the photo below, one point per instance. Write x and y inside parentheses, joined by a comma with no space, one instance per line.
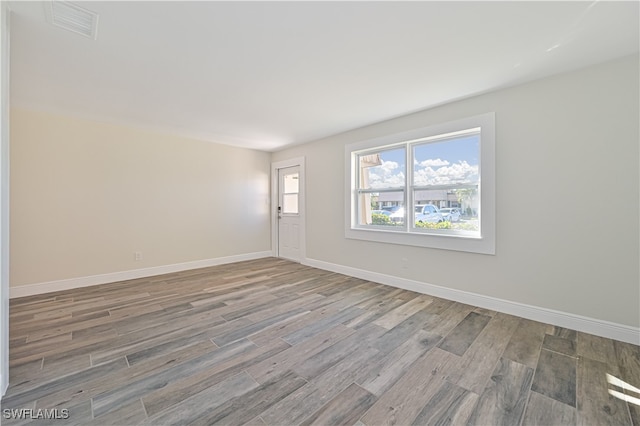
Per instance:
(271,342)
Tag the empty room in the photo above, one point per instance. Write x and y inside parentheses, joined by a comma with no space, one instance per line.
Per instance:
(205,213)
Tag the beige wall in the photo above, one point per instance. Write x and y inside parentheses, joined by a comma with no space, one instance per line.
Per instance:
(85,196)
(567,197)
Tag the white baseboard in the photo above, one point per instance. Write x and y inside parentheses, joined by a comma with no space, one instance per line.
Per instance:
(68,284)
(598,327)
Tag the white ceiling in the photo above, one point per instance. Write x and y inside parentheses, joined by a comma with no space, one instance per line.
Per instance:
(265,75)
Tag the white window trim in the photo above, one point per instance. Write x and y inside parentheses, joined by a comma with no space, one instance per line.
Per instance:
(485,244)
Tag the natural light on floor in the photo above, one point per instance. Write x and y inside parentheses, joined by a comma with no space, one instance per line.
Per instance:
(624,385)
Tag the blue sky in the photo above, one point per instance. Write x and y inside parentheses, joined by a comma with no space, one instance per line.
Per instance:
(461,149)
(453,151)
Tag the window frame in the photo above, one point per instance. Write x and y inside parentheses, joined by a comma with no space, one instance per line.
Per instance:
(408,234)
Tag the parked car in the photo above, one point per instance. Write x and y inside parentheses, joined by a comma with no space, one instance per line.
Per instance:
(427,213)
(450,214)
(398,215)
(391,209)
(384,212)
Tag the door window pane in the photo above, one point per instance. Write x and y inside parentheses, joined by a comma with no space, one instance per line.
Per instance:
(290,203)
(290,189)
(291,183)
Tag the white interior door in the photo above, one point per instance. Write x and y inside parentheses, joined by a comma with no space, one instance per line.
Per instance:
(288,211)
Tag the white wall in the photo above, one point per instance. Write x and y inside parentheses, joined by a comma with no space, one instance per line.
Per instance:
(86,195)
(4,197)
(567,198)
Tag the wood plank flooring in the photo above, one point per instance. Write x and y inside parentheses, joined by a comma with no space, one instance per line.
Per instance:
(271,342)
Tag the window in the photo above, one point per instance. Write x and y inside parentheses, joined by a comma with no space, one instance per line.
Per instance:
(430,187)
(290,193)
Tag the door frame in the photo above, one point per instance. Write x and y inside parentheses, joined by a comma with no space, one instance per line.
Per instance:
(275,167)
(5,16)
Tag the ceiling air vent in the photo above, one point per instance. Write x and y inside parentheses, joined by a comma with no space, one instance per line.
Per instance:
(74,18)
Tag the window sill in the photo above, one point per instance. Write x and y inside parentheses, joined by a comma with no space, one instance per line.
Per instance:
(481,245)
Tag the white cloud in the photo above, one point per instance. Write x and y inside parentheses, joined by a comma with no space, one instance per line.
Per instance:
(388,166)
(457,173)
(390,174)
(434,163)
(386,175)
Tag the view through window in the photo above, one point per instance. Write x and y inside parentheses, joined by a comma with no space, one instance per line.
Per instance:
(441,186)
(435,182)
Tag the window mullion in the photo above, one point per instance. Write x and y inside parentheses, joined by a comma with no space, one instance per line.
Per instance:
(407,188)
(355,212)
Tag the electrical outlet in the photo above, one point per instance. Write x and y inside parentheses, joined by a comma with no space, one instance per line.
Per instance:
(405,263)
(137,256)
